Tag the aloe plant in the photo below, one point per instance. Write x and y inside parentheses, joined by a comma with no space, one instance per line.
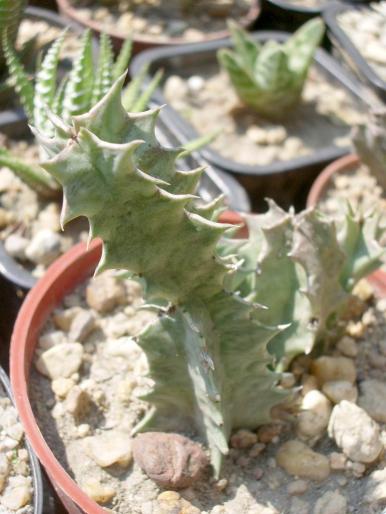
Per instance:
(82,87)
(11,12)
(213,348)
(370,143)
(270,77)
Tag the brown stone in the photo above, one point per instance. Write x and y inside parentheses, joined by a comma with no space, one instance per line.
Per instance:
(171,460)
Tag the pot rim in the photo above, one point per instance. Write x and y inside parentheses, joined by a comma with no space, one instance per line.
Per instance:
(31,317)
(246,21)
(322,182)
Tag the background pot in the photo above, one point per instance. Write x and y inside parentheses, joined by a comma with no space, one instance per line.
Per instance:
(348,50)
(33,462)
(324,180)
(287,182)
(143,42)
(285,15)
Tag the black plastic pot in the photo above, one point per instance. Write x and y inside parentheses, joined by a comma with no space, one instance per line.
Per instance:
(53,19)
(34,464)
(285,181)
(296,13)
(348,50)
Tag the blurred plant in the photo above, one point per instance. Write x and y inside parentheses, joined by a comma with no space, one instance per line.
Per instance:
(11,12)
(76,93)
(370,143)
(270,77)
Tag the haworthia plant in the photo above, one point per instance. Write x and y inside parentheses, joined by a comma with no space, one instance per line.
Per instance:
(208,351)
(78,91)
(11,12)
(81,88)
(270,77)
(370,144)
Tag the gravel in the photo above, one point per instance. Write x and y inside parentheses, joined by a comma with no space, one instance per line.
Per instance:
(88,413)
(16,489)
(162,19)
(29,224)
(366,27)
(323,118)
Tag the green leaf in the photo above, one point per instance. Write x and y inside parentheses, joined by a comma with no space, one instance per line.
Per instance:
(79,87)
(123,59)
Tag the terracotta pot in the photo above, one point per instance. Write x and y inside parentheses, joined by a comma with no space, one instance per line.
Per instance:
(143,42)
(62,277)
(323,182)
(346,164)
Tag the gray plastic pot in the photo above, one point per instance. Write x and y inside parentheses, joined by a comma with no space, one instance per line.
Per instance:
(38,492)
(285,181)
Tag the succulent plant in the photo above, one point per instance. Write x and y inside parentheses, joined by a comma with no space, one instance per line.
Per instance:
(270,78)
(303,268)
(209,352)
(77,92)
(370,143)
(11,12)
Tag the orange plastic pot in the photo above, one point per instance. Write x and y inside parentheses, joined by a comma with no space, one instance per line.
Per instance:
(63,276)
(324,181)
(70,270)
(144,42)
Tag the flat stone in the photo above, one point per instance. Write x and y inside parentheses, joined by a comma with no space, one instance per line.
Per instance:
(4,470)
(170,502)
(81,326)
(171,460)
(328,369)
(267,433)
(348,346)
(64,318)
(100,493)
(61,386)
(243,439)
(297,459)
(44,248)
(16,246)
(355,432)
(332,502)
(15,431)
(62,360)
(372,399)
(17,494)
(51,339)
(297,487)
(104,293)
(338,461)
(339,390)
(108,448)
(376,487)
(77,402)
(312,421)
